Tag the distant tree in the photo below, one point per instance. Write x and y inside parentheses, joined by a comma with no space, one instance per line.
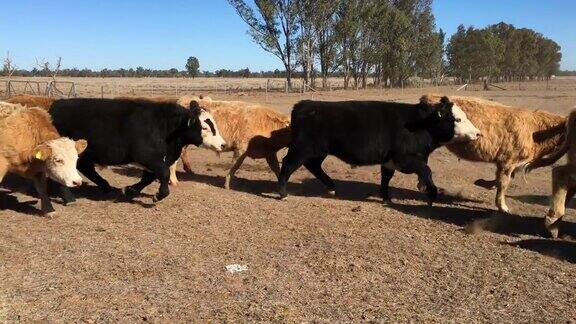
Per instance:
(173,72)
(275,28)
(193,66)
(8,68)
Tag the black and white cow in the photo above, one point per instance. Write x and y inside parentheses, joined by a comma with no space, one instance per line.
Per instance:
(125,131)
(397,136)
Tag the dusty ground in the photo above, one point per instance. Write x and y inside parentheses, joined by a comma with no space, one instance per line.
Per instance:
(312,257)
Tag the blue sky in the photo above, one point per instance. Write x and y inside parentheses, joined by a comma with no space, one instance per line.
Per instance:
(162,34)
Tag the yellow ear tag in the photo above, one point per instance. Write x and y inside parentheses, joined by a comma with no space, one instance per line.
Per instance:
(38,155)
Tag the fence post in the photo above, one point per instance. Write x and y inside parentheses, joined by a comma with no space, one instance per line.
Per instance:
(8,88)
(102,91)
(286,86)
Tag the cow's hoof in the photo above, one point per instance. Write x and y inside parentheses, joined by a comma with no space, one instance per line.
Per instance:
(68,200)
(387,202)
(553,232)
(49,214)
(173,182)
(552,225)
(504,209)
(159,196)
(227,184)
(332,192)
(129,193)
(283,197)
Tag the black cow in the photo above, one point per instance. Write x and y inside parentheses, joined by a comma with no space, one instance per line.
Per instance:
(397,136)
(124,131)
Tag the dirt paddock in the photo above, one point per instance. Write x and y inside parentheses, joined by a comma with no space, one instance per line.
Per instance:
(311,258)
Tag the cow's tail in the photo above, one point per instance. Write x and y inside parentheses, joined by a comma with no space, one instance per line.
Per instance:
(559,153)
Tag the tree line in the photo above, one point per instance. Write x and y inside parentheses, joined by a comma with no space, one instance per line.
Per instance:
(390,41)
(502,52)
(141,72)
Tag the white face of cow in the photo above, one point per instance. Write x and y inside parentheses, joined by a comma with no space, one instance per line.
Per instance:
(211,138)
(60,157)
(464,130)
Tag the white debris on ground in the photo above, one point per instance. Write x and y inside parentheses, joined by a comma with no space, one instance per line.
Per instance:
(233,268)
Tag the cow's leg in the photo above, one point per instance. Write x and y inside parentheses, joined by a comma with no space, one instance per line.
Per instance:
(503,177)
(41,185)
(134,190)
(386,176)
(185,161)
(414,164)
(87,168)
(237,162)
(163,175)
(291,162)
(560,188)
(273,163)
(314,165)
(173,177)
(66,194)
(3,168)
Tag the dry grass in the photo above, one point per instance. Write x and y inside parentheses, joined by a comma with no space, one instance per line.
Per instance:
(311,258)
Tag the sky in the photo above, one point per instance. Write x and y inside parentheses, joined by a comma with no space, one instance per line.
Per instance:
(162,34)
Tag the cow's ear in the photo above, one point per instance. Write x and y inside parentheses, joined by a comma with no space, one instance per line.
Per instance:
(41,152)
(444,100)
(194,105)
(80,145)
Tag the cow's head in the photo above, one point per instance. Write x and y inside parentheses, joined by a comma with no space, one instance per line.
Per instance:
(447,122)
(59,157)
(202,129)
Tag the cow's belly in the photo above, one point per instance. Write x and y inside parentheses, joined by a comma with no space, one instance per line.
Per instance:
(359,157)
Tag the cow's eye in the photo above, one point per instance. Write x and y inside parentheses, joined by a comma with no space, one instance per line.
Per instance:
(58,161)
(457,120)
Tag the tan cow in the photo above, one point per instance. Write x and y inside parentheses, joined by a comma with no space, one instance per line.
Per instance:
(508,137)
(563,176)
(31,147)
(250,130)
(32,101)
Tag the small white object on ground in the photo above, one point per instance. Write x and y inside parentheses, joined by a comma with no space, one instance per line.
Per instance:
(233,268)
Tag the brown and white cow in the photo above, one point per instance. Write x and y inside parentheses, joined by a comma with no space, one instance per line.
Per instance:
(250,130)
(31,147)
(563,176)
(511,138)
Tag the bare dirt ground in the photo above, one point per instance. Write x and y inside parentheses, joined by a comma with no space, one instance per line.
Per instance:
(310,258)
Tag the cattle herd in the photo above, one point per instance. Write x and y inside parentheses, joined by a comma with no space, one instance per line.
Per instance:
(43,139)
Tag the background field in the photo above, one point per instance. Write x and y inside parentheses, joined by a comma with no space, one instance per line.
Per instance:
(312,257)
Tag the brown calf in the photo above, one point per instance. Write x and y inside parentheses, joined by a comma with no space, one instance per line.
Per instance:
(250,130)
(31,147)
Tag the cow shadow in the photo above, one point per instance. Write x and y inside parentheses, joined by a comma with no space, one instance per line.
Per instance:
(559,249)
(482,219)
(540,200)
(94,193)
(9,202)
(346,189)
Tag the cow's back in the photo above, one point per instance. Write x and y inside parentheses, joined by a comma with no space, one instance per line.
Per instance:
(358,132)
(114,128)
(507,131)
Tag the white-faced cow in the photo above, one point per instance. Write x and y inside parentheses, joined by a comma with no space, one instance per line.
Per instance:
(397,136)
(125,131)
(511,137)
(31,147)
